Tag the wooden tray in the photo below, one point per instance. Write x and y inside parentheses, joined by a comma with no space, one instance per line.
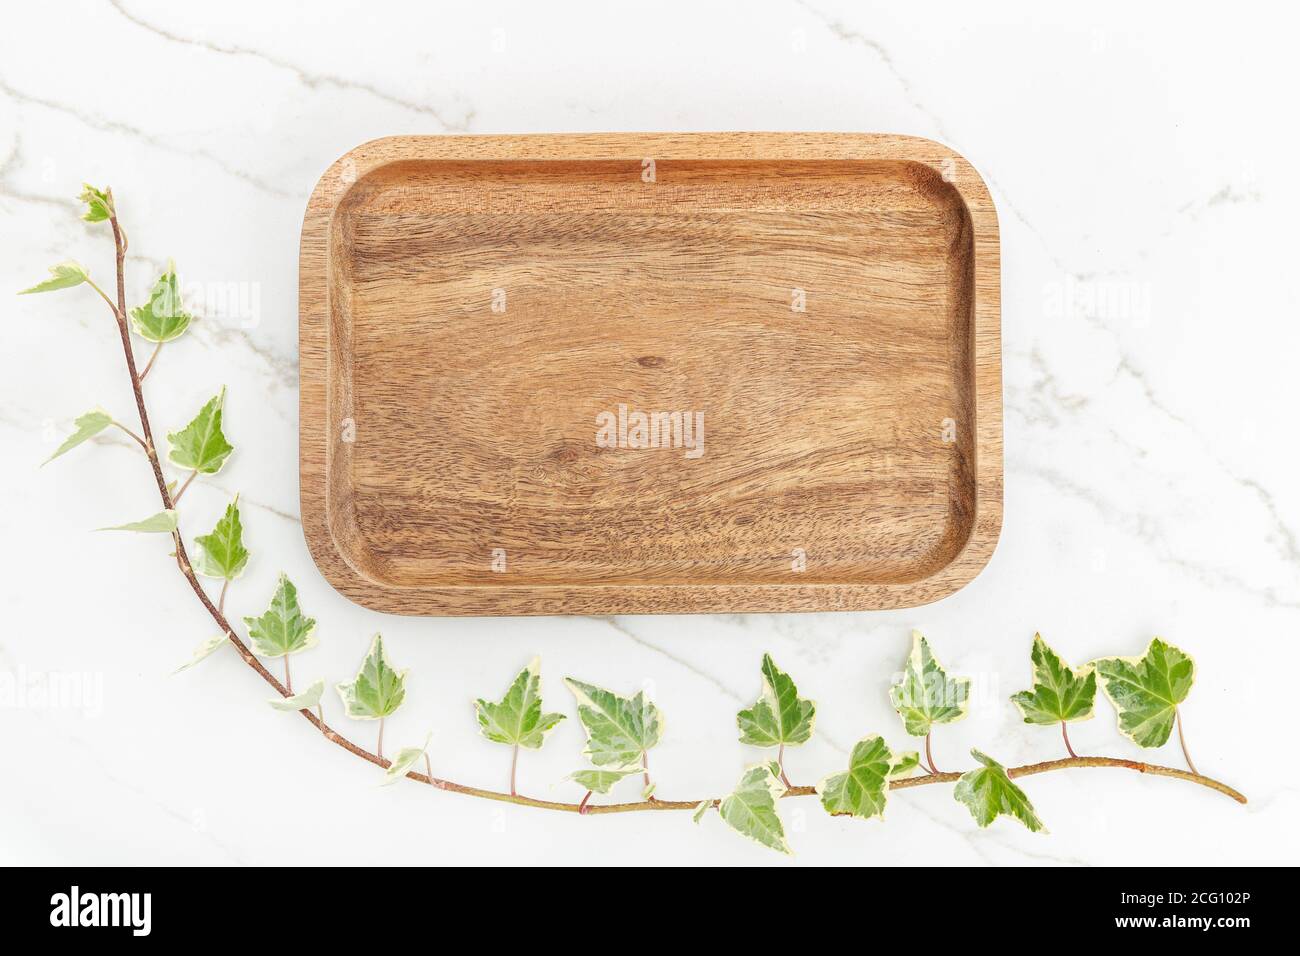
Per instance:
(459,459)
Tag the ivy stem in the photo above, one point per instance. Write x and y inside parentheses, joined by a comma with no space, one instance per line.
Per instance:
(181,490)
(929,758)
(379,749)
(780,765)
(221,598)
(645,766)
(288,681)
(317,719)
(1182,741)
(149,364)
(514,762)
(1066,737)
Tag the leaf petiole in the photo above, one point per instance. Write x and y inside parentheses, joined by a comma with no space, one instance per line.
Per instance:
(149,364)
(514,763)
(1066,737)
(103,295)
(929,757)
(181,490)
(139,441)
(1182,742)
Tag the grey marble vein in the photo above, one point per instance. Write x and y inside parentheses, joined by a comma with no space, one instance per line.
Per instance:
(125,129)
(308,79)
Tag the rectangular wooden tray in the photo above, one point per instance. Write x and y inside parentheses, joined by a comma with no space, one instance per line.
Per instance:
(485,319)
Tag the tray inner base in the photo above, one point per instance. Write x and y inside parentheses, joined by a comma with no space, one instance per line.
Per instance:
(842,433)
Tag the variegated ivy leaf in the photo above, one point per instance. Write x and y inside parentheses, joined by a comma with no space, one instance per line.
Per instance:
(780,715)
(925,695)
(701,808)
(162,522)
(377,690)
(619,730)
(163,317)
(202,651)
(304,701)
(600,781)
(201,446)
(863,790)
(750,809)
(518,719)
(404,761)
(65,275)
(282,629)
(99,203)
(84,427)
(988,792)
(1147,690)
(1060,693)
(905,763)
(222,553)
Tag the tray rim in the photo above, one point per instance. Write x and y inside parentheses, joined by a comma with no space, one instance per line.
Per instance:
(315,393)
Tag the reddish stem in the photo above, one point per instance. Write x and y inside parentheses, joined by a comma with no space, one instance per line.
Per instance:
(1066,737)
(929,758)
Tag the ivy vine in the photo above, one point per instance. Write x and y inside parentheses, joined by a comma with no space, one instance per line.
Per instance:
(1146,691)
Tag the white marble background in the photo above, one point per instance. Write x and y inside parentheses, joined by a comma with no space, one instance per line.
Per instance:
(1143,166)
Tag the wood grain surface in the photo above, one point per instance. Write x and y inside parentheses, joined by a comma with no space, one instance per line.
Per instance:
(474,308)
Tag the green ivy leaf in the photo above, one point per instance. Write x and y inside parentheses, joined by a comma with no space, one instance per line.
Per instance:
(988,792)
(619,730)
(750,809)
(163,317)
(377,690)
(1147,690)
(925,695)
(303,701)
(404,761)
(99,203)
(282,629)
(600,781)
(65,275)
(780,715)
(162,522)
(1060,693)
(202,651)
(518,718)
(863,790)
(84,427)
(222,553)
(201,445)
